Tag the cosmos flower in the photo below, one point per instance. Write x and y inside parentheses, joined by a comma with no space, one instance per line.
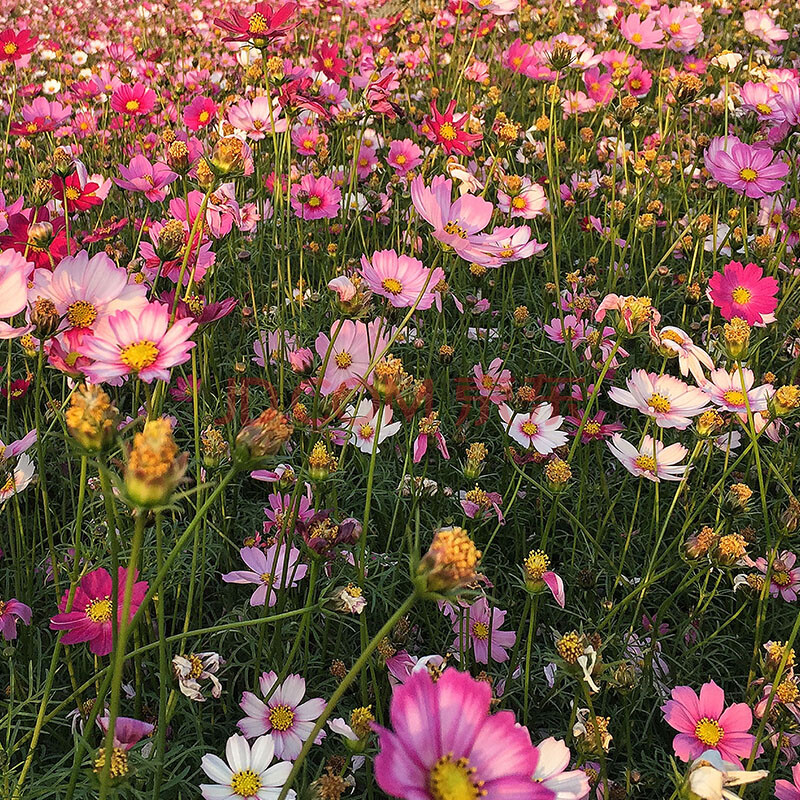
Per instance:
(747,169)
(18,479)
(267,571)
(11,612)
(552,772)
(404,281)
(447,131)
(316,198)
(92,606)
(651,460)
(133,100)
(744,292)
(283,714)
(353,346)
(191,669)
(480,629)
(784,577)
(734,391)
(363,425)
(262,26)
(150,179)
(539,428)
(703,723)
(445,737)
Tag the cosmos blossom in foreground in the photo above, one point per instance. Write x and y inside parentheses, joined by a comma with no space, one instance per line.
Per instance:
(745,292)
(651,460)
(444,737)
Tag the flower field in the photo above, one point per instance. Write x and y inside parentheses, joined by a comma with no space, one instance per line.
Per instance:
(399,400)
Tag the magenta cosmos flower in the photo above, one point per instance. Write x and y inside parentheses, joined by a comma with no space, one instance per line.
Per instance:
(445,743)
(316,198)
(784,577)
(789,790)
(402,280)
(270,571)
(283,714)
(703,723)
(150,179)
(11,612)
(92,607)
(143,344)
(262,26)
(480,628)
(747,169)
(743,291)
(133,100)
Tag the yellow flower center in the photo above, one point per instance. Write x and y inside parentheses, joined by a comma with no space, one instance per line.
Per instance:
(401,159)
(10,48)
(480,630)
(245,783)
(81,314)
(197,665)
(9,486)
(203,116)
(454,780)
(763,108)
(314,201)
(592,428)
(257,24)
(447,132)
(72,193)
(132,105)
(99,610)
(536,564)
(392,285)
(646,463)
(455,229)
(637,37)
(366,431)
(266,577)
(281,717)
(781,578)
(659,403)
(709,731)
(787,691)
(734,397)
(741,295)
(139,355)
(674,28)
(343,360)
(530,428)
(748,174)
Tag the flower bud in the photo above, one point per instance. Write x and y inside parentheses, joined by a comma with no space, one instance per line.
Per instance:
(154,465)
(178,157)
(450,562)
(44,317)
(91,418)
(264,436)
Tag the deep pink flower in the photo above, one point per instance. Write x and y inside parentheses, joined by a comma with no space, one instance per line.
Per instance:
(444,736)
(17,46)
(133,100)
(316,198)
(12,611)
(743,291)
(703,723)
(127,731)
(92,607)
(750,170)
(262,26)
(199,113)
(404,155)
(446,130)
(481,624)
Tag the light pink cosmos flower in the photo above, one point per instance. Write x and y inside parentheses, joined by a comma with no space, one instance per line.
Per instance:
(363,426)
(651,460)
(482,625)
(789,790)
(443,731)
(283,714)
(316,198)
(681,26)
(253,117)
(353,347)
(761,25)
(85,291)
(455,224)
(703,723)
(750,170)
(744,291)
(552,772)
(267,570)
(142,343)
(642,33)
(670,401)
(494,382)
(404,155)
(19,479)
(14,273)
(734,391)
(691,358)
(150,179)
(529,202)
(11,612)
(402,280)
(784,577)
(539,428)
(505,244)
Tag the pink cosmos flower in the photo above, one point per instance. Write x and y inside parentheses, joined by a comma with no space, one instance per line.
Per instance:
(444,129)
(681,26)
(284,715)
(761,25)
(92,607)
(529,202)
(494,382)
(552,772)
(691,358)
(253,117)
(12,611)
(404,155)
(733,391)
(599,86)
(744,291)
(482,625)
(639,81)
(750,170)
(316,198)
(85,291)
(595,428)
(642,33)
(14,273)
(703,723)
(784,577)
(133,100)
(264,24)
(572,330)
(789,790)
(280,507)
(141,343)
(199,113)
(651,460)
(308,139)
(127,731)
(20,476)
(444,736)
(267,571)
(150,179)
(539,429)
(353,347)
(402,280)
(429,428)
(670,401)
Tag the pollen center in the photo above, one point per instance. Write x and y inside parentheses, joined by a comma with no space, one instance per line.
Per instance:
(281,717)
(748,174)
(314,201)
(99,610)
(734,397)
(132,105)
(454,229)
(646,463)
(741,295)
(659,403)
(366,431)
(81,314)
(139,355)
(530,428)
(447,132)
(709,731)
(257,24)
(343,360)
(392,285)
(245,783)
(454,780)
(480,630)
